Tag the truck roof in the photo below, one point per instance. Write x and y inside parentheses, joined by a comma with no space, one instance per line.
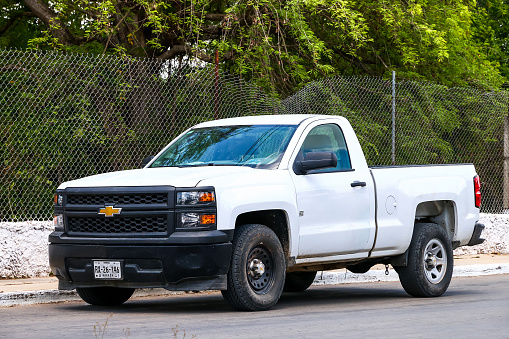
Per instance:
(279,119)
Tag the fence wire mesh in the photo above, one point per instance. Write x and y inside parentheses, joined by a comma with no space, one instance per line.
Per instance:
(66,116)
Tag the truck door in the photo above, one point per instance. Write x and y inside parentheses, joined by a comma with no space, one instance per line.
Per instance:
(333,203)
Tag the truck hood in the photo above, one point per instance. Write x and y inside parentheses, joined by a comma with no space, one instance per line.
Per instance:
(172,176)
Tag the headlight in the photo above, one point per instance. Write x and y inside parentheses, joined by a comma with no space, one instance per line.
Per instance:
(195,197)
(196,209)
(58,199)
(193,220)
(58,222)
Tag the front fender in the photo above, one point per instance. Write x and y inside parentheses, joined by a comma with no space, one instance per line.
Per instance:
(261,190)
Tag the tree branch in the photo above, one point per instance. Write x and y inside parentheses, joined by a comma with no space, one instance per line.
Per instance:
(353,60)
(50,19)
(174,51)
(214,16)
(183,49)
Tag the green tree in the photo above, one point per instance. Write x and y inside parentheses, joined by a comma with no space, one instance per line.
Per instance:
(491,30)
(429,39)
(284,44)
(17,24)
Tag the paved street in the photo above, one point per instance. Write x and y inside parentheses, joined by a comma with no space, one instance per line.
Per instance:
(472,308)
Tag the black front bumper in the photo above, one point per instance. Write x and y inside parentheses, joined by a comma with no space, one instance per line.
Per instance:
(174,267)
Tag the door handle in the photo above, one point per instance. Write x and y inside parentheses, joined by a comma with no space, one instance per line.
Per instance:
(358,184)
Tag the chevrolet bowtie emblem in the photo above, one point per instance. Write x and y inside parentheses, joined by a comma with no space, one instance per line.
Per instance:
(109,211)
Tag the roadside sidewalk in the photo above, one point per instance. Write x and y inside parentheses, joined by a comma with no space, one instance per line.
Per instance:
(45,290)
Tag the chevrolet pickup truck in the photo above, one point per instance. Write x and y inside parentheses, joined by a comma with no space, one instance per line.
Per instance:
(255,206)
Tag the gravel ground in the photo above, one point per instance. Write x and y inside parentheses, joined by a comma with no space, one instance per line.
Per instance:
(496,234)
(24,245)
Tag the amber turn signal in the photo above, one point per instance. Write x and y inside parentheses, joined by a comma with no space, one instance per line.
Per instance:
(207,219)
(207,196)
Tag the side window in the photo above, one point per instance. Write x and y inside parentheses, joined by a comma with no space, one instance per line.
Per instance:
(327,138)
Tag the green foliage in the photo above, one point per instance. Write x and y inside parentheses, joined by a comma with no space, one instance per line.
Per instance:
(490,27)
(425,40)
(107,108)
(67,116)
(282,45)
(434,124)
(357,100)
(17,27)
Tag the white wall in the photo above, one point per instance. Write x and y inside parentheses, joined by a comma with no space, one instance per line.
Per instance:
(24,249)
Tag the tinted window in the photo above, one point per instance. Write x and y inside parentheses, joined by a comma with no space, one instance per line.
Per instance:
(327,138)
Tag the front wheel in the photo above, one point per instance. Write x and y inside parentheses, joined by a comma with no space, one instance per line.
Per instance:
(257,271)
(430,262)
(105,296)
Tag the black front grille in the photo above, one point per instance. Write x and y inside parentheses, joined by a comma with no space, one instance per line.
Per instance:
(118,199)
(116,225)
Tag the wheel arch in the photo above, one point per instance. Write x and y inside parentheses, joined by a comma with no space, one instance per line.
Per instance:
(440,212)
(276,220)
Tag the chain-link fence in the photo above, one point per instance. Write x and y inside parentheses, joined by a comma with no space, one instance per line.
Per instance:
(66,116)
(434,124)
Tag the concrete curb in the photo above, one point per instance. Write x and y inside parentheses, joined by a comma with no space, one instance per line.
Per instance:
(55,296)
(347,277)
(323,278)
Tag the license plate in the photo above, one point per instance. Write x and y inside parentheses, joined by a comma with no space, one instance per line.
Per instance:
(107,270)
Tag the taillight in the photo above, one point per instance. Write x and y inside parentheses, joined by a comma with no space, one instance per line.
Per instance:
(477,191)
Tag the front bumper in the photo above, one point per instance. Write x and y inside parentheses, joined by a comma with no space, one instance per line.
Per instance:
(174,267)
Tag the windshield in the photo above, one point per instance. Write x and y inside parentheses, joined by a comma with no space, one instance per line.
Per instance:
(259,146)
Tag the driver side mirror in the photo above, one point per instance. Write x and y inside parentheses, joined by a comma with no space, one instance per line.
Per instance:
(314,161)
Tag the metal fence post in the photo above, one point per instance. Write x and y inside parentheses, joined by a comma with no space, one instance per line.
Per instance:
(393,117)
(216,84)
(506,161)
(505,193)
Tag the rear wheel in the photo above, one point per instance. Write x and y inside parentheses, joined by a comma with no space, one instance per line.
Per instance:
(257,272)
(105,296)
(299,281)
(430,262)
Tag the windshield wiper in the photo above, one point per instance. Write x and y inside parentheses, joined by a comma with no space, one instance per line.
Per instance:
(212,164)
(197,165)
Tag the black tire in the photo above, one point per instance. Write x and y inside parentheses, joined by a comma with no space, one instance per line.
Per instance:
(105,296)
(430,262)
(257,270)
(299,281)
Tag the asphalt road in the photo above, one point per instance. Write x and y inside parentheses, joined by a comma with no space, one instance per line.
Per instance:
(471,308)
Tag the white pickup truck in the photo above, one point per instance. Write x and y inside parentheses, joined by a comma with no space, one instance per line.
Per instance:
(255,206)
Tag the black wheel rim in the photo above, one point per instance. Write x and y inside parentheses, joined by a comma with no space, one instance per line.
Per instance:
(260,270)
